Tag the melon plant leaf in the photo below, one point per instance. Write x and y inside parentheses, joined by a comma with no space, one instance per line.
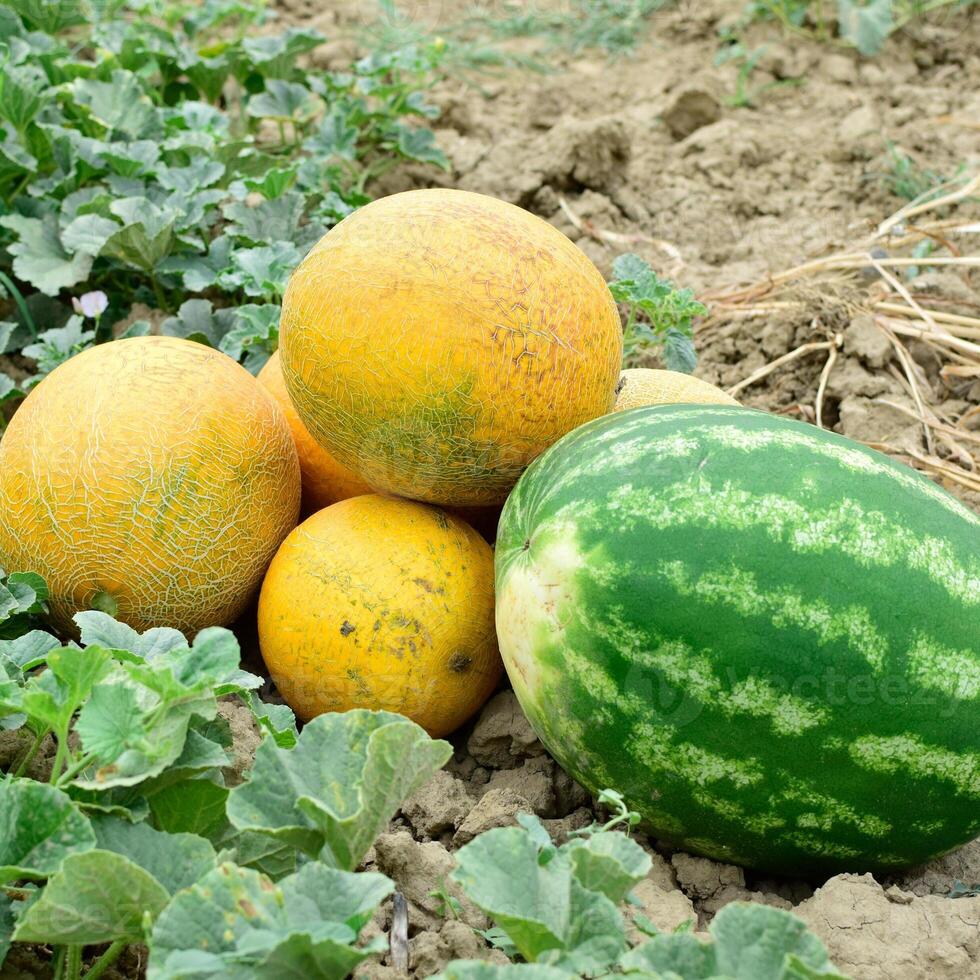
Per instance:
(336,136)
(543,908)
(275,56)
(276,719)
(23,597)
(608,862)
(282,100)
(28,651)
(866,23)
(50,16)
(53,697)
(269,221)
(336,790)
(39,827)
(109,721)
(95,897)
(756,940)
(193,806)
(176,860)
(201,271)
(195,320)
(6,925)
(249,926)
(101,630)
(146,237)
(120,106)
(54,347)
(679,353)
(481,970)
(263,271)
(88,233)
(676,954)
(418,143)
(40,258)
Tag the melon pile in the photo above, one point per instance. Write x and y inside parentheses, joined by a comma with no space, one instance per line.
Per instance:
(767,637)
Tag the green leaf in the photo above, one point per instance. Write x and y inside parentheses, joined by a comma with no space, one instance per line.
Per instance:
(240,921)
(676,954)
(23,598)
(111,720)
(95,897)
(254,334)
(866,25)
(50,16)
(54,347)
(40,258)
(53,697)
(337,789)
(274,182)
(336,136)
(193,806)
(200,272)
(282,100)
(418,143)
(22,96)
(29,650)
(480,970)
(39,827)
(608,862)
(542,907)
(274,56)
(88,233)
(176,860)
(277,719)
(101,630)
(121,106)
(7,924)
(147,234)
(262,272)
(679,352)
(757,941)
(273,220)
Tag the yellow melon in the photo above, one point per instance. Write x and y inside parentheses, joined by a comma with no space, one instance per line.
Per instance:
(153,478)
(436,341)
(648,386)
(325,481)
(382,603)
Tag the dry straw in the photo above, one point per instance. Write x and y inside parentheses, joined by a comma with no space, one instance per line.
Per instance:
(867,279)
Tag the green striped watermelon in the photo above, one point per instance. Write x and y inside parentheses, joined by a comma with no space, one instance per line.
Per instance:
(765,635)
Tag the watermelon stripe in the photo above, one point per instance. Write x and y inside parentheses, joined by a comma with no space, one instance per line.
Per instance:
(762,633)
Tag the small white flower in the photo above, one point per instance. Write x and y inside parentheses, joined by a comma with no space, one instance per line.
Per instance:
(91,304)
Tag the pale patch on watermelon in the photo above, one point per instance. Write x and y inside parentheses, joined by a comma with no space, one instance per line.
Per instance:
(654,746)
(941,668)
(866,536)
(739,589)
(910,754)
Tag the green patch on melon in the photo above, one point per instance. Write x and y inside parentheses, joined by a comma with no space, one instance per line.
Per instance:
(765,635)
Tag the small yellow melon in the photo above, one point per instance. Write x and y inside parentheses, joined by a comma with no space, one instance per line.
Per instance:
(153,478)
(648,386)
(437,341)
(382,603)
(325,481)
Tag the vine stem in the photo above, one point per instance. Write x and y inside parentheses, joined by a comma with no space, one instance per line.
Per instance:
(18,299)
(106,960)
(29,755)
(73,962)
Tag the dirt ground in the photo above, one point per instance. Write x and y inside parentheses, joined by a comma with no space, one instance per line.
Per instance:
(645,154)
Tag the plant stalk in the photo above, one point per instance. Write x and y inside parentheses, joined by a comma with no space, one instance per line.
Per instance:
(106,960)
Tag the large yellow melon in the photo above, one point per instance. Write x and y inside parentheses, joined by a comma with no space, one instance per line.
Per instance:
(325,481)
(436,341)
(649,386)
(153,478)
(382,603)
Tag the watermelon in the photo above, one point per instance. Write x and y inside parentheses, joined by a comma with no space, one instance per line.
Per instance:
(765,635)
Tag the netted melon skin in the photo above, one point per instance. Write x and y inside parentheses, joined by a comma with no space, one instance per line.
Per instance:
(152,477)
(650,386)
(436,341)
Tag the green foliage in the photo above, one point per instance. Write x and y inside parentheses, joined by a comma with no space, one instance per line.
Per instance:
(862,24)
(23,601)
(746,95)
(907,179)
(152,152)
(659,315)
(336,790)
(557,908)
(135,823)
